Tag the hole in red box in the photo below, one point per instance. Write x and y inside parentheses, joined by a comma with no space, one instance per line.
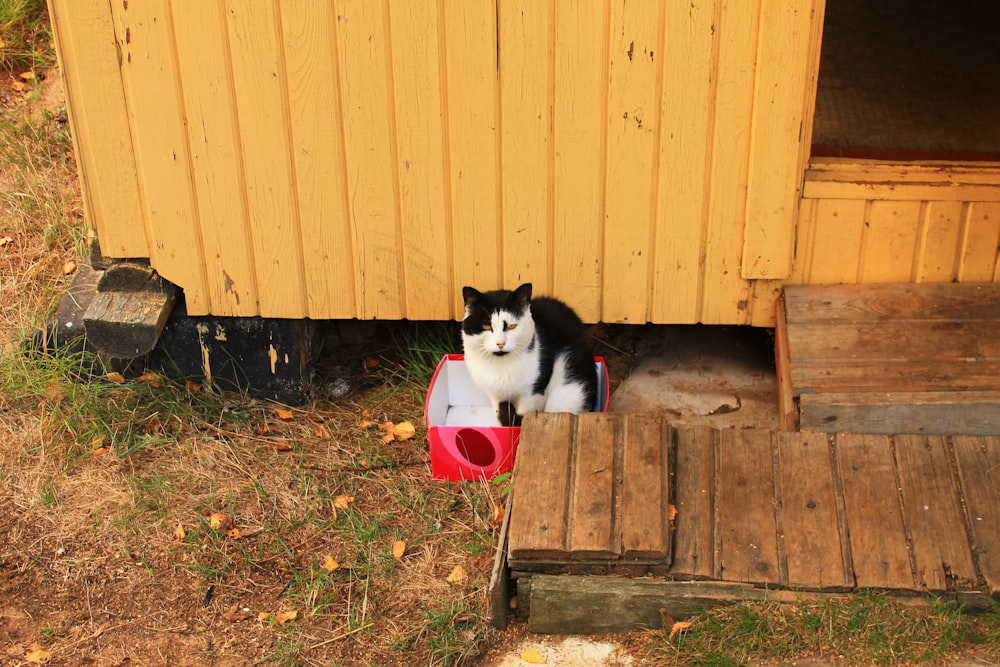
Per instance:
(475,447)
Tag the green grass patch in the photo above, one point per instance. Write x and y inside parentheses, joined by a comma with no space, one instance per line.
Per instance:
(870,628)
(420,347)
(452,631)
(24,28)
(41,224)
(86,409)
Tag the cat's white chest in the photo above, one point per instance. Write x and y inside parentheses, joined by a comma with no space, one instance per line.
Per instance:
(504,377)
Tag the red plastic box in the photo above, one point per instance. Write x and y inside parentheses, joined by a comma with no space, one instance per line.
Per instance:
(465,441)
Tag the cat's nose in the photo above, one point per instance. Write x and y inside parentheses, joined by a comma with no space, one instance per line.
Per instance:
(500,345)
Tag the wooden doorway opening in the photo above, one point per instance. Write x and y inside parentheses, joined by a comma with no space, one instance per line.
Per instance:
(905,80)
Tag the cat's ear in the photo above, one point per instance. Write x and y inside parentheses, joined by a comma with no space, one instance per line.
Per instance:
(471,295)
(520,298)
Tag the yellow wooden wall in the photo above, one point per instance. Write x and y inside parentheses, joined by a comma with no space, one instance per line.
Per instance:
(642,159)
(366,158)
(910,223)
(871,222)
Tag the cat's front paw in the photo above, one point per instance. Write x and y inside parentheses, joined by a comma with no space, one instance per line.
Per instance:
(507,414)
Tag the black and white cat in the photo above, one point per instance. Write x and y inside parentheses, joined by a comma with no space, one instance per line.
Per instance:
(527,354)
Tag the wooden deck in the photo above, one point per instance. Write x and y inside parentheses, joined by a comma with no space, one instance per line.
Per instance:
(802,511)
(892,358)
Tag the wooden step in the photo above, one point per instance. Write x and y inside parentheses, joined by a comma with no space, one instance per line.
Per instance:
(633,495)
(592,494)
(892,358)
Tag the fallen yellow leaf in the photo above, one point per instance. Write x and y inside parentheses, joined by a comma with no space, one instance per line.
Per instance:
(281,446)
(151,378)
(365,423)
(533,657)
(398,549)
(100,451)
(218,521)
(192,386)
(671,512)
(27,76)
(286,616)
(320,432)
(398,432)
(330,564)
(5,240)
(115,377)
(69,266)
(284,414)
(405,431)
(679,627)
(458,575)
(233,533)
(179,532)
(37,655)
(343,502)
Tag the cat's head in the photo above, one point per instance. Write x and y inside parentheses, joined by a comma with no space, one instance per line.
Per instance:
(497,323)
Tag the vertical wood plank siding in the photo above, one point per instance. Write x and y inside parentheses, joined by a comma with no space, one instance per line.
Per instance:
(863,222)
(99,119)
(643,160)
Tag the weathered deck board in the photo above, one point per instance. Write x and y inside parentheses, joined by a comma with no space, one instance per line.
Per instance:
(978,460)
(892,358)
(599,498)
(929,412)
(746,521)
(827,376)
(593,513)
(878,538)
(933,514)
(875,341)
(788,413)
(814,526)
(544,471)
(695,549)
(893,301)
(646,495)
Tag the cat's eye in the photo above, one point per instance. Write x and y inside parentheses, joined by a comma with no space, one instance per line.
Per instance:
(511,326)
(487,327)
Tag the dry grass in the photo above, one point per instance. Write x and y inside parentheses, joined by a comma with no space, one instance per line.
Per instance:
(41,216)
(94,538)
(25,36)
(107,493)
